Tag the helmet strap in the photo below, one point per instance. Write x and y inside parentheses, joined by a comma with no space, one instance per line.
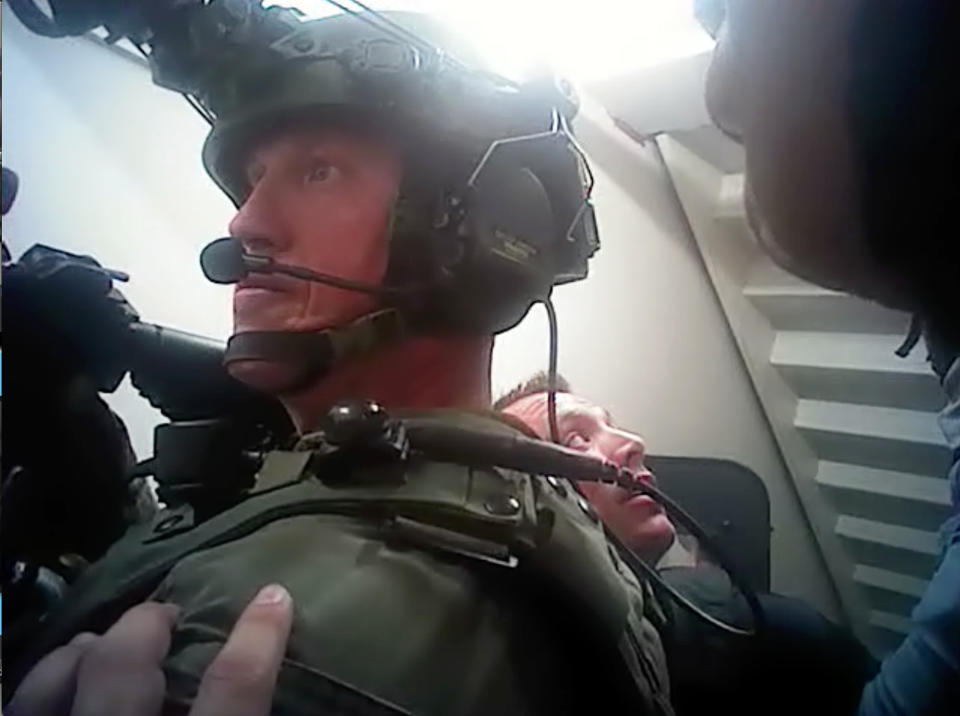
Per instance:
(315,353)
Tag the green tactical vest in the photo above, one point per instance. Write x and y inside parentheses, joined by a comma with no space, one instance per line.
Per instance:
(428,588)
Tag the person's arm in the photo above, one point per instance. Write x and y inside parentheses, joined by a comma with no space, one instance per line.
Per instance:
(922,676)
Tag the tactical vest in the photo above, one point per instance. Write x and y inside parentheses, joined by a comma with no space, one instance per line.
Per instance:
(420,587)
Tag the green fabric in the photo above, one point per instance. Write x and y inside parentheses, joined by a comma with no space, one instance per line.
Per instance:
(418,614)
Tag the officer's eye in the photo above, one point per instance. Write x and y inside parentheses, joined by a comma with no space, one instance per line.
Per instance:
(319,170)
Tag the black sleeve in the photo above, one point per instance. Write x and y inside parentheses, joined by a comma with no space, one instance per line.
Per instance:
(800,663)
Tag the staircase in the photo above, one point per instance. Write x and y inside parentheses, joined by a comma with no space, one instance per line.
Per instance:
(855,423)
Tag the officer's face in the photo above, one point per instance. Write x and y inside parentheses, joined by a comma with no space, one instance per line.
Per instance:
(638,521)
(320,199)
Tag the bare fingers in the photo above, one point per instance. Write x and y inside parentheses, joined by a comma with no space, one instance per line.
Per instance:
(49,687)
(241,678)
(121,673)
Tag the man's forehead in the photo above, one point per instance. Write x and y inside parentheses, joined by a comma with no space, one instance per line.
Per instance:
(567,403)
(297,138)
(570,402)
(304,138)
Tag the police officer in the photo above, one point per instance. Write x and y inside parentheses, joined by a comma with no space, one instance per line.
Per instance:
(420,585)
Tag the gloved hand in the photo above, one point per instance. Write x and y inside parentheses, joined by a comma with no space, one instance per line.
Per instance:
(119,673)
(65,316)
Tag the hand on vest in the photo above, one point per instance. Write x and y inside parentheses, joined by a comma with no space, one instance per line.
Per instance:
(119,673)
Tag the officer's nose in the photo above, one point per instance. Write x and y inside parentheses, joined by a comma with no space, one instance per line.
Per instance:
(627,450)
(258,223)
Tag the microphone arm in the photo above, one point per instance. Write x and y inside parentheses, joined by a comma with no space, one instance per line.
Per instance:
(269,266)
(224,261)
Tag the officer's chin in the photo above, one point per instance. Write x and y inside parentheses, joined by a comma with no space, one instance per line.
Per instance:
(273,378)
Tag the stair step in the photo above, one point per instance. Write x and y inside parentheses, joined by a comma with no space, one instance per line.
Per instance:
(887,438)
(868,352)
(898,485)
(890,622)
(885,423)
(882,641)
(855,368)
(895,548)
(890,581)
(812,308)
(908,539)
(889,591)
(885,495)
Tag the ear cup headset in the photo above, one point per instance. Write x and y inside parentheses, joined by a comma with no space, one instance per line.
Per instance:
(476,239)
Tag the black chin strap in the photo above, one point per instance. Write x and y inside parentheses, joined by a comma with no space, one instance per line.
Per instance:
(315,353)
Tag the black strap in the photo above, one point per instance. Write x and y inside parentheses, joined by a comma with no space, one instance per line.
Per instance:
(315,353)
(943,346)
(912,337)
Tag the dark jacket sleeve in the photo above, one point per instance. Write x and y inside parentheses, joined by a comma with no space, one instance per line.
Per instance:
(801,663)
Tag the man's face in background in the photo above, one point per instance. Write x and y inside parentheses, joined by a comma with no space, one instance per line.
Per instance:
(637,520)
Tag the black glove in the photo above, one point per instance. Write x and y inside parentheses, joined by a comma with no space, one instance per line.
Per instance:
(63,317)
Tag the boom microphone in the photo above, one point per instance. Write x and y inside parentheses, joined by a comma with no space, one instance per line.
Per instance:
(224,261)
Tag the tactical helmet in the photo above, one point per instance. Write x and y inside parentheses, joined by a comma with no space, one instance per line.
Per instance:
(481,233)
(491,226)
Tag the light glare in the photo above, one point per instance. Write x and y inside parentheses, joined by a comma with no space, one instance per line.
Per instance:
(583,41)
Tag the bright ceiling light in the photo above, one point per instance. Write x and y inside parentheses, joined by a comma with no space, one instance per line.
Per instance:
(584,41)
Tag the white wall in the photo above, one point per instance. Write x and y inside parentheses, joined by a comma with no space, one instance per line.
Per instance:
(109,165)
